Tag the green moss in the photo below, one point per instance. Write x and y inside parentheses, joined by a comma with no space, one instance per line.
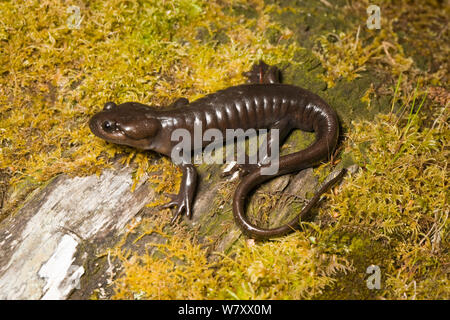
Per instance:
(392,213)
(273,270)
(399,203)
(421,31)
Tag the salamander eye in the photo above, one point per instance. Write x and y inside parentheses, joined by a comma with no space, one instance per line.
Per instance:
(108,126)
(109,106)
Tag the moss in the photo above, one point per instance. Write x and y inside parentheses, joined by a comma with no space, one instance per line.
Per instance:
(392,213)
(421,30)
(399,202)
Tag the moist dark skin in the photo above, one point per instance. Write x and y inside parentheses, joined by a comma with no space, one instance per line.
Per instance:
(264,103)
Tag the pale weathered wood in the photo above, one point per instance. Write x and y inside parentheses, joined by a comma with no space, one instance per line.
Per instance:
(39,244)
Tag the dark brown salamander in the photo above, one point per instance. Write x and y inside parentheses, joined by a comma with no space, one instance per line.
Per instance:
(264,103)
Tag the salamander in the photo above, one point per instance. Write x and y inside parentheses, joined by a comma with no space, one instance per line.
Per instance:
(264,102)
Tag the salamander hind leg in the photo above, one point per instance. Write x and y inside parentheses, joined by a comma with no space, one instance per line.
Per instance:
(262,73)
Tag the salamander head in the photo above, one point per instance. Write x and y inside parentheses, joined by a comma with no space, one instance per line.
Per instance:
(130,123)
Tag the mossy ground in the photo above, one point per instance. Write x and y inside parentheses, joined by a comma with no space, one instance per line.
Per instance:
(393,213)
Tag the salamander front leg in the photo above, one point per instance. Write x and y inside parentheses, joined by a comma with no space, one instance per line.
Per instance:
(185,198)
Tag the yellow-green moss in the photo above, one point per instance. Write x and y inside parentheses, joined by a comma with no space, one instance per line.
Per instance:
(393,213)
(399,204)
